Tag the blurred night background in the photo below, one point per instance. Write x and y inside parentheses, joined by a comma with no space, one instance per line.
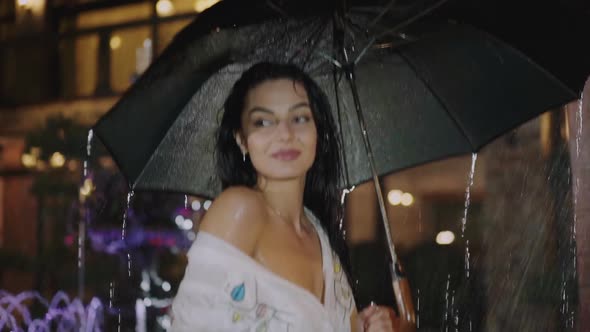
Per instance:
(520,264)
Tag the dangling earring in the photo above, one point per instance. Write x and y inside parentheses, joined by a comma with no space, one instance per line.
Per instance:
(244,156)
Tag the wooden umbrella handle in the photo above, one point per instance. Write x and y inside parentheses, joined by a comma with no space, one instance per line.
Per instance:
(403,298)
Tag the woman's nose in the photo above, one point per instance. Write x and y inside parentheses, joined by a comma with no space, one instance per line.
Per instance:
(284,130)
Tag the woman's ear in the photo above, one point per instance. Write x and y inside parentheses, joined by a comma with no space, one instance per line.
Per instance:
(240,142)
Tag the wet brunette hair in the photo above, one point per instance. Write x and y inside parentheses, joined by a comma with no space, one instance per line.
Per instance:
(321,194)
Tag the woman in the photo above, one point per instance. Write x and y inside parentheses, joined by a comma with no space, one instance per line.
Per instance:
(261,260)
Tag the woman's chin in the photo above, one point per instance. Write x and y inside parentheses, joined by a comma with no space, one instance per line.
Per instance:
(283,170)
(284,175)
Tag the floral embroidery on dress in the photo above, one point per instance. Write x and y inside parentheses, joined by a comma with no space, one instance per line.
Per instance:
(246,310)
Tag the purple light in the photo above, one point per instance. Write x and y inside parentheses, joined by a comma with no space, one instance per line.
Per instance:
(61,313)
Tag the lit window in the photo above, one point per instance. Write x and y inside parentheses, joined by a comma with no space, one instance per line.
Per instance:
(126,57)
(79,59)
(114,15)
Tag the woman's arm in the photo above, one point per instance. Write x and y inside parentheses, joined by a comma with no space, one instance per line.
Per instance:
(355,324)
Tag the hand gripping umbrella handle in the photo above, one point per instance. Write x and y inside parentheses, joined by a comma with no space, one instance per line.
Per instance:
(403,295)
(401,287)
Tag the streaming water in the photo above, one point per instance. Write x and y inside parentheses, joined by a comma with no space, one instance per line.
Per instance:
(343,195)
(85,190)
(124,228)
(418,308)
(465,213)
(579,125)
(447,303)
(468,194)
(126,215)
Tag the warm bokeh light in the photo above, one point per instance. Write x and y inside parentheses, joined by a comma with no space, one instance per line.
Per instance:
(87,188)
(28,160)
(164,8)
(57,160)
(202,5)
(394,197)
(36,151)
(445,237)
(115,42)
(72,165)
(407,199)
(23,3)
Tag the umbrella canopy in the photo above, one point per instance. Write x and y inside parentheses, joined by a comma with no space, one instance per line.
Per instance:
(551,33)
(427,91)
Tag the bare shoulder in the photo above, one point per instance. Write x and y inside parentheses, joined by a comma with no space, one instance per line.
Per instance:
(236,216)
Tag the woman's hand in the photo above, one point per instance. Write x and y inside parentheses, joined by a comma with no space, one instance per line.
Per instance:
(375,318)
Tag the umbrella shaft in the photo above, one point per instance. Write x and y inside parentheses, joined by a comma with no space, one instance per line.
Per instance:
(357,104)
(401,290)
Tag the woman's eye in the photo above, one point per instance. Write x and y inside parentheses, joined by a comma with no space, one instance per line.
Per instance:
(302,119)
(263,123)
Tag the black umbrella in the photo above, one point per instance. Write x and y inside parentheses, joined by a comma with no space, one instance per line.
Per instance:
(427,91)
(551,33)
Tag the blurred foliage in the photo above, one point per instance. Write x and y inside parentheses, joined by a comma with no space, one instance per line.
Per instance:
(59,134)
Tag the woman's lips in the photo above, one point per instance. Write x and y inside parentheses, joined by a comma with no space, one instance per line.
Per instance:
(286,155)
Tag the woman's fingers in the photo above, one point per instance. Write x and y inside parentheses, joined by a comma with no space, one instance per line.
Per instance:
(378,318)
(368,312)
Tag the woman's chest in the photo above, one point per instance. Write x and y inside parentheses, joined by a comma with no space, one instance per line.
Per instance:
(298,259)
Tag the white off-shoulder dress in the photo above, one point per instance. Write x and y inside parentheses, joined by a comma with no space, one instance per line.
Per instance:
(226,290)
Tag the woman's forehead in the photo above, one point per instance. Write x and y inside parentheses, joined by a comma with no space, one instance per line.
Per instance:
(276,92)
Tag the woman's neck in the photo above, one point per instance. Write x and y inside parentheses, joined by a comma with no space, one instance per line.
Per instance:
(285,199)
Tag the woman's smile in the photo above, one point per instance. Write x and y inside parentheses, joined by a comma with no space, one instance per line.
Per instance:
(286,154)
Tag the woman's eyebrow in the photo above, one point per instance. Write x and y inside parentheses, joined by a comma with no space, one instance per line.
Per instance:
(266,110)
(299,105)
(259,109)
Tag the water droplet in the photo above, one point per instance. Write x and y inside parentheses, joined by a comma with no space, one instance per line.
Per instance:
(418,308)
(111,294)
(467,258)
(125,214)
(88,151)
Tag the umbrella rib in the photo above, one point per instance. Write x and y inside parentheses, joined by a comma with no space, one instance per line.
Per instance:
(439,99)
(399,26)
(276,8)
(382,13)
(336,81)
(315,39)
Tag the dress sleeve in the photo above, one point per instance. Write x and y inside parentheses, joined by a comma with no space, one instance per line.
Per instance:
(195,309)
(219,293)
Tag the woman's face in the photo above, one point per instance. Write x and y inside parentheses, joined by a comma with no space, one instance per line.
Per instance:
(278,129)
